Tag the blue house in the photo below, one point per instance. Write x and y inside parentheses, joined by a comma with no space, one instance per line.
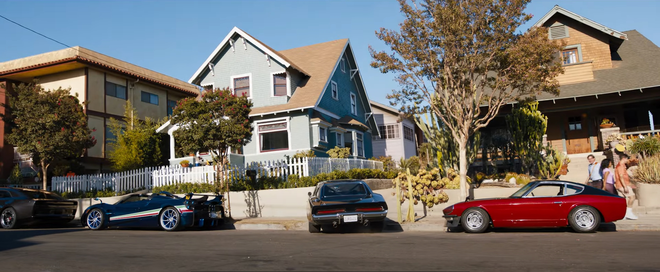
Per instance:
(305,98)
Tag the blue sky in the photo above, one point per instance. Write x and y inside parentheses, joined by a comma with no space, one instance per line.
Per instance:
(175,37)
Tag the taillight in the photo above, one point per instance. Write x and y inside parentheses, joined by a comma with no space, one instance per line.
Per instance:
(378,209)
(330,211)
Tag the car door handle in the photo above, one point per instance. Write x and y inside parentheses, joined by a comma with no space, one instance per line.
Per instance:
(558,202)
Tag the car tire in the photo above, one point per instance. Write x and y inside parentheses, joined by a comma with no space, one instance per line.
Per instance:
(584,219)
(8,218)
(95,219)
(475,220)
(376,226)
(169,219)
(313,228)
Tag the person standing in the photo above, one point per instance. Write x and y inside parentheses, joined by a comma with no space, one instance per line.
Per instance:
(623,185)
(594,179)
(608,176)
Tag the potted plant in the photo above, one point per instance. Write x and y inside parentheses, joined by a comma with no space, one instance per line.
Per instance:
(184,163)
(606,123)
(647,177)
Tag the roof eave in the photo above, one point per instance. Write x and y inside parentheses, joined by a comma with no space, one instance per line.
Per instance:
(557,9)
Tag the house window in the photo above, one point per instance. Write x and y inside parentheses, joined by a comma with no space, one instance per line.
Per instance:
(208,87)
(171,104)
(114,90)
(323,136)
(359,143)
(242,86)
(279,84)
(389,131)
(353,104)
(575,123)
(408,133)
(335,92)
(273,136)
(340,139)
(569,56)
(149,98)
(343,65)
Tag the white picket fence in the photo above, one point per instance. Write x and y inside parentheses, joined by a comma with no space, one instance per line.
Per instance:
(148,178)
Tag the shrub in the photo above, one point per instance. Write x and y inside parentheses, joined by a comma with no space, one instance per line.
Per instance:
(339,152)
(186,187)
(411,163)
(426,187)
(648,170)
(304,154)
(388,162)
(647,146)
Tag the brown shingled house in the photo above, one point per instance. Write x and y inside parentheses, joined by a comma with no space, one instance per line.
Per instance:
(608,74)
(105,82)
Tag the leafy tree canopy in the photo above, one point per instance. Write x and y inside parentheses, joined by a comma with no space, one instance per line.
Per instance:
(48,125)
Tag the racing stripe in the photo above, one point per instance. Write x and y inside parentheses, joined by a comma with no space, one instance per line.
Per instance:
(181,208)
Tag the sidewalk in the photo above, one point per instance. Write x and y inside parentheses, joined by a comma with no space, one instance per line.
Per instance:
(649,220)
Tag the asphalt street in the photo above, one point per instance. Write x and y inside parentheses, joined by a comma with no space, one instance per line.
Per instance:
(78,249)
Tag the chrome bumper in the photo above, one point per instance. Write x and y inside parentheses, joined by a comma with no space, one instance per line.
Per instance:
(339,217)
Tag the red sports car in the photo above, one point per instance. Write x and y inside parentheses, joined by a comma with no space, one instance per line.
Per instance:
(548,203)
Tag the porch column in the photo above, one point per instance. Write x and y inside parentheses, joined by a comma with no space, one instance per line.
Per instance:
(172,151)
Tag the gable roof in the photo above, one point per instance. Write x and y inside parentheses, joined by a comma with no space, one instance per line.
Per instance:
(262,46)
(87,56)
(559,10)
(384,107)
(319,60)
(637,69)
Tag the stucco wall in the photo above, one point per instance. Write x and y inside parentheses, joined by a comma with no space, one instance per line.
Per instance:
(96,122)
(96,90)
(145,109)
(74,79)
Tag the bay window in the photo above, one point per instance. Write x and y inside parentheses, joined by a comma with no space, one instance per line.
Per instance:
(273,136)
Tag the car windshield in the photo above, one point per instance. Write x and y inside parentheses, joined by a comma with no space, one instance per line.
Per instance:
(343,189)
(41,195)
(522,191)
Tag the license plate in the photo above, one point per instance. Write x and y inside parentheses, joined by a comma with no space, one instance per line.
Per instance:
(350,218)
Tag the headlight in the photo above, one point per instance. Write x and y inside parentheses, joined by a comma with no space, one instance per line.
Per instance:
(448,210)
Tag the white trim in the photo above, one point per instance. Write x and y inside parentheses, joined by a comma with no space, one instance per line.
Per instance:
(288,84)
(280,111)
(325,134)
(321,123)
(326,112)
(224,41)
(164,126)
(231,82)
(325,87)
(338,129)
(212,84)
(335,95)
(272,84)
(274,120)
(557,9)
(353,100)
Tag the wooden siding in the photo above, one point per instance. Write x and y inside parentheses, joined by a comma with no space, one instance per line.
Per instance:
(576,73)
(594,44)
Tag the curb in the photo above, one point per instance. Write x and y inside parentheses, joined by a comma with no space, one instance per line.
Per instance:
(421,227)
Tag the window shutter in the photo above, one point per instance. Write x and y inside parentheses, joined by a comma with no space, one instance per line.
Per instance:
(558,32)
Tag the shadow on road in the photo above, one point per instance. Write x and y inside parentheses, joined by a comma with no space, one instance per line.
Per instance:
(604,227)
(15,238)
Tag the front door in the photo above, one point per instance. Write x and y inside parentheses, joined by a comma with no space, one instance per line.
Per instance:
(577,136)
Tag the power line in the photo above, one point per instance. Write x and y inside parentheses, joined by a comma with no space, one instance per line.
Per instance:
(81,52)
(35,32)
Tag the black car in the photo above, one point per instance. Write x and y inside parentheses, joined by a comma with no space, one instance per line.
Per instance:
(20,206)
(339,202)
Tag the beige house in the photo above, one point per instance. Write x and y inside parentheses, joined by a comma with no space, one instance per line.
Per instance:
(104,82)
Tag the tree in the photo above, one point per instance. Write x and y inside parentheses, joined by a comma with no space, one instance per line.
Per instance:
(50,126)
(463,60)
(527,126)
(136,143)
(339,152)
(218,121)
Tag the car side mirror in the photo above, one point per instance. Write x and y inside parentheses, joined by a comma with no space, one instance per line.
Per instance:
(98,199)
(309,193)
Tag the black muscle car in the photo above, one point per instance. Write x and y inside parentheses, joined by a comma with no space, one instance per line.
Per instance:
(19,206)
(339,202)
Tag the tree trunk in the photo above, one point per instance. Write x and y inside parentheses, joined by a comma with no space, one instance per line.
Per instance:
(44,177)
(462,150)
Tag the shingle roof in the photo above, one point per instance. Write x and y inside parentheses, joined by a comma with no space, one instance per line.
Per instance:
(318,60)
(82,54)
(639,67)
